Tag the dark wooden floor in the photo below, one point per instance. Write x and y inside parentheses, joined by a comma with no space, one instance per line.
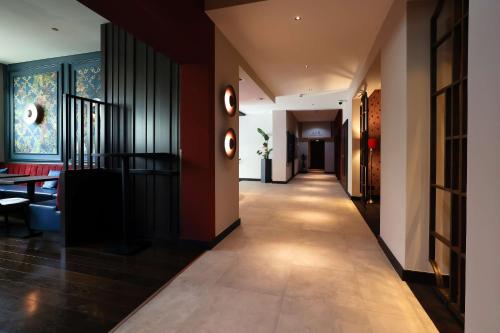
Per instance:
(46,288)
(370,213)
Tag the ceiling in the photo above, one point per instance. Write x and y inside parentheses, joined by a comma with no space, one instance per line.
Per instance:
(26,28)
(315,115)
(333,38)
(250,93)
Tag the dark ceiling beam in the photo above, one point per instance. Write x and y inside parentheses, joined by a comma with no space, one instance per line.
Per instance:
(216,4)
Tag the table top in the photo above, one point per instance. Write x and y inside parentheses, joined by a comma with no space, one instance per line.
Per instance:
(29,179)
(143,155)
(11,175)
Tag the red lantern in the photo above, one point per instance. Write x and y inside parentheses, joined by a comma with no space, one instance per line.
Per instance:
(372,143)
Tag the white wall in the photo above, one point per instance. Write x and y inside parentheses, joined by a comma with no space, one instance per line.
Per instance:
(279,146)
(418,135)
(227,62)
(316,129)
(393,125)
(482,305)
(250,141)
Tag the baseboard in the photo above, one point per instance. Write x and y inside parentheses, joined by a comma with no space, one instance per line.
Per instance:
(406,275)
(279,182)
(250,179)
(224,234)
(208,245)
(356,198)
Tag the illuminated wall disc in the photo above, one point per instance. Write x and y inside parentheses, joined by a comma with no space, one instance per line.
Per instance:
(230,101)
(230,143)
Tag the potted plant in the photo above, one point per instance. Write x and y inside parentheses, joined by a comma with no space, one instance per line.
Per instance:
(303,157)
(266,162)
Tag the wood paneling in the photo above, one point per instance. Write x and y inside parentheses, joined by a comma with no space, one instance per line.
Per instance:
(143,85)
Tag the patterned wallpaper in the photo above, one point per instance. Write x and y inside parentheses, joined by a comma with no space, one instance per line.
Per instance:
(40,89)
(375,132)
(88,81)
(33,83)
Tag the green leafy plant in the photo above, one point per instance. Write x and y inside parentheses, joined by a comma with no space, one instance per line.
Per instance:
(265,151)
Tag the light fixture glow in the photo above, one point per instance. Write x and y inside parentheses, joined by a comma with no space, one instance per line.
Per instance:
(230,143)
(298,18)
(230,101)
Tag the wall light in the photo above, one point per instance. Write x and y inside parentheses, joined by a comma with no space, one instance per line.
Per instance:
(230,101)
(230,143)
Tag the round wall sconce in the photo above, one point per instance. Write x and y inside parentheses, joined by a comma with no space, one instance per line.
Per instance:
(230,143)
(230,101)
(33,114)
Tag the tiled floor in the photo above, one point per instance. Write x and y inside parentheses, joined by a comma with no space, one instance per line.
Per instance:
(303,260)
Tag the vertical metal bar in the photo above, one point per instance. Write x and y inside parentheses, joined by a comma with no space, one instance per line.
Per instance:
(98,132)
(82,134)
(66,134)
(91,137)
(74,133)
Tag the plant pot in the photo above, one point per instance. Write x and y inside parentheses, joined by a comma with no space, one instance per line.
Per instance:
(266,170)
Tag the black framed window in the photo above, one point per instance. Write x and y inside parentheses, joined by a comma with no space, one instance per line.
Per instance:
(448,190)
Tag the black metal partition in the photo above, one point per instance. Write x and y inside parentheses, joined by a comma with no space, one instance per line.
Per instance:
(84,134)
(448,189)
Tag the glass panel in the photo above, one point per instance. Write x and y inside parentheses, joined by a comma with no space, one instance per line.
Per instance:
(455,164)
(463,209)
(440,138)
(444,64)
(462,285)
(456,111)
(443,213)
(455,219)
(445,19)
(454,277)
(447,165)
(464,108)
(464,165)
(443,256)
(457,54)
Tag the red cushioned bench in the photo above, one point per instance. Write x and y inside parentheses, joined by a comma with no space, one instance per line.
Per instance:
(31,169)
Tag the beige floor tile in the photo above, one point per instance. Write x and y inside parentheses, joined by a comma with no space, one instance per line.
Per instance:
(236,311)
(303,260)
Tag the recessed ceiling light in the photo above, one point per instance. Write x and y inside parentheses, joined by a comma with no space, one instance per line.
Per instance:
(54,29)
(261,98)
(298,18)
(307,66)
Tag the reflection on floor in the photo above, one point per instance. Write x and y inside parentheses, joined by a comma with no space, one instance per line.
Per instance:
(303,260)
(44,288)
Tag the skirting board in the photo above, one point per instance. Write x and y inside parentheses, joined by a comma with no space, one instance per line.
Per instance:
(250,179)
(208,245)
(406,275)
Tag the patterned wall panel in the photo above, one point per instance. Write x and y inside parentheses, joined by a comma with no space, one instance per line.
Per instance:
(374,131)
(43,82)
(88,81)
(40,89)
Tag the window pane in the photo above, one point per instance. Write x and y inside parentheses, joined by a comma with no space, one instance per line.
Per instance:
(440,138)
(443,213)
(444,21)
(443,256)
(444,64)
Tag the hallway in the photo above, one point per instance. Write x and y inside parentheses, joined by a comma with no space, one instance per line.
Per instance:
(303,260)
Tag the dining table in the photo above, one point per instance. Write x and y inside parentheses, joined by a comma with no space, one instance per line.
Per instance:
(30,182)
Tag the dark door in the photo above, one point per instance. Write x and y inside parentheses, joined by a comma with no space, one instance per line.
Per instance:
(317,154)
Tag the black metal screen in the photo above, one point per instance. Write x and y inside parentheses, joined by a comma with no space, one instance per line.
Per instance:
(449,45)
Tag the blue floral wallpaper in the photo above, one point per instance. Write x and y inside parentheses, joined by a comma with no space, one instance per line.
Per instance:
(88,81)
(40,83)
(40,89)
